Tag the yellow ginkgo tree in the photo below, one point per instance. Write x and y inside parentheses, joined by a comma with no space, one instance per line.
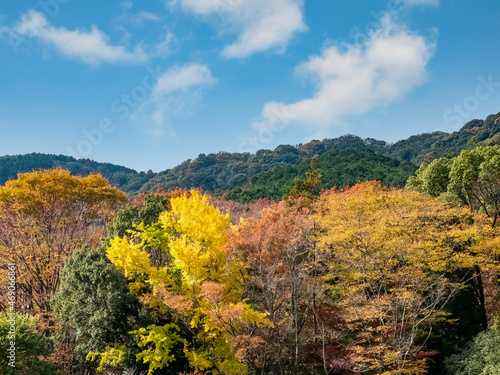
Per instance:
(199,286)
(391,255)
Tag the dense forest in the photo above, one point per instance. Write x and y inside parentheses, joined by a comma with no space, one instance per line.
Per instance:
(345,256)
(339,168)
(237,172)
(126,179)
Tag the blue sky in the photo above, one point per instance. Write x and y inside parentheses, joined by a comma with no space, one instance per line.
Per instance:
(150,84)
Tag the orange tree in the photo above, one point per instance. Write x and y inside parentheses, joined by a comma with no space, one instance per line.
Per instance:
(277,255)
(391,254)
(46,216)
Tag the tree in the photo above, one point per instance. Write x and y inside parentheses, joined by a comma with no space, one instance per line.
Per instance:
(432,178)
(473,177)
(391,253)
(94,305)
(308,188)
(277,256)
(46,216)
(481,356)
(30,347)
(199,285)
(94,302)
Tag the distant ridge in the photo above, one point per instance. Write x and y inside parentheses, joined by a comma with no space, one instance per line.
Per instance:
(126,179)
(232,172)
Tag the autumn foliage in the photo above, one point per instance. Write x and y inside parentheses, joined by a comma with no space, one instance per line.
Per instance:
(360,280)
(391,254)
(200,286)
(46,216)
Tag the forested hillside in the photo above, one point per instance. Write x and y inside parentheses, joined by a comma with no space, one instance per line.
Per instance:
(268,172)
(338,168)
(366,277)
(223,171)
(426,147)
(126,179)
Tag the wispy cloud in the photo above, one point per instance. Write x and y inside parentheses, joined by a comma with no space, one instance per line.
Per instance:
(176,93)
(420,2)
(182,79)
(358,77)
(164,47)
(259,25)
(92,47)
(135,18)
(142,16)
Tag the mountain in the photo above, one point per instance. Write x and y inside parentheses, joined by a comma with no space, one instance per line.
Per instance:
(346,160)
(223,171)
(427,147)
(129,180)
(338,168)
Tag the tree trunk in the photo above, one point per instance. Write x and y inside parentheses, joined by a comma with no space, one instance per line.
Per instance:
(480,295)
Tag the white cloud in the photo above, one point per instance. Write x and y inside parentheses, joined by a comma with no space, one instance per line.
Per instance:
(183,78)
(357,78)
(126,5)
(176,93)
(164,47)
(137,18)
(92,47)
(259,25)
(420,2)
(142,16)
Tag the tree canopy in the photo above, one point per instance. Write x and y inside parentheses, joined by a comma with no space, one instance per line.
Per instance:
(46,216)
(391,254)
(472,177)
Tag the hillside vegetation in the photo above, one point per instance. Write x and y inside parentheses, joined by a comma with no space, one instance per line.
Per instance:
(297,263)
(126,179)
(244,172)
(338,168)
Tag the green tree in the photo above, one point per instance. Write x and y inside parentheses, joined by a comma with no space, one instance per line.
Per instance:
(94,301)
(473,177)
(432,178)
(308,187)
(94,304)
(30,347)
(480,357)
